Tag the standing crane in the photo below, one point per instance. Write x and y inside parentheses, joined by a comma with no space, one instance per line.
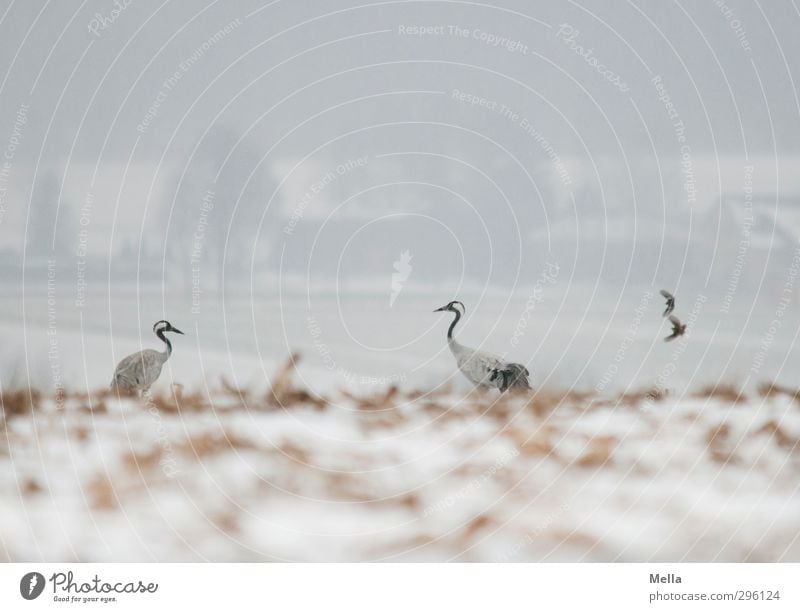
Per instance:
(485,370)
(138,371)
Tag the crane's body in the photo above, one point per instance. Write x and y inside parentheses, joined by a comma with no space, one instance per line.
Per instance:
(485,370)
(138,371)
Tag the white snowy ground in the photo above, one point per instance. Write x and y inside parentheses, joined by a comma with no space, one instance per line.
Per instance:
(401,477)
(406,477)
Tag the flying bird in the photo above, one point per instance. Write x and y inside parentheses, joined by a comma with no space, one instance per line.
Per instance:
(678,328)
(137,372)
(670,302)
(485,370)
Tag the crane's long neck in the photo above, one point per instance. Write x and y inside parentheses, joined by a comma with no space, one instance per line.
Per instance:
(168,352)
(457,318)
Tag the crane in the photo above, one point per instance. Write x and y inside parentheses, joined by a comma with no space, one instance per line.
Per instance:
(485,370)
(138,371)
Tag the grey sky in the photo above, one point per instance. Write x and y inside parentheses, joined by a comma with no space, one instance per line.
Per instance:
(512,128)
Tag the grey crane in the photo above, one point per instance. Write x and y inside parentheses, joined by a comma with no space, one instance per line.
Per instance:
(670,302)
(678,328)
(137,372)
(485,370)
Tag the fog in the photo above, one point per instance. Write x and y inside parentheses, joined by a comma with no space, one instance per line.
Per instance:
(182,162)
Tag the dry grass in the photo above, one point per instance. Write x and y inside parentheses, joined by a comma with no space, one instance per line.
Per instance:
(376,401)
(782,439)
(227,521)
(544,402)
(718,440)
(380,409)
(101,494)
(19,402)
(541,442)
(227,388)
(640,396)
(479,523)
(295,453)
(213,443)
(773,389)
(142,461)
(284,394)
(31,487)
(599,451)
(724,392)
(519,445)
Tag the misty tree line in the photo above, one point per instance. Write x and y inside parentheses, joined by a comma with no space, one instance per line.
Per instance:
(212,216)
(222,165)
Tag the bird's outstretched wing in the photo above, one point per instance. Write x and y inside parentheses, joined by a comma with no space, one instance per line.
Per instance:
(670,302)
(678,328)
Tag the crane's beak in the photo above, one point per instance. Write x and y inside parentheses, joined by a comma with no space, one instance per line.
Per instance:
(177,331)
(440,309)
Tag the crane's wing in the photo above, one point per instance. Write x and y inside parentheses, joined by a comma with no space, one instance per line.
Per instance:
(129,372)
(670,301)
(478,366)
(677,328)
(132,371)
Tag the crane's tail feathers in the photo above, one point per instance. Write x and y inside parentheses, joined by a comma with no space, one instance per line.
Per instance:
(513,376)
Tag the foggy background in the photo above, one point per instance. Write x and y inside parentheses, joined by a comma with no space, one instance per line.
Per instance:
(320,176)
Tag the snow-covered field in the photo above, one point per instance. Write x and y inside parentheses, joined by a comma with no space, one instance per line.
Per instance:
(237,457)
(400,475)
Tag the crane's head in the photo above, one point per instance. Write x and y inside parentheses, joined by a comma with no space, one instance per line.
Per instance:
(165,326)
(453,307)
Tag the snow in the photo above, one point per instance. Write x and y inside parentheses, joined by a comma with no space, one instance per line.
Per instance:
(431,472)
(436,477)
